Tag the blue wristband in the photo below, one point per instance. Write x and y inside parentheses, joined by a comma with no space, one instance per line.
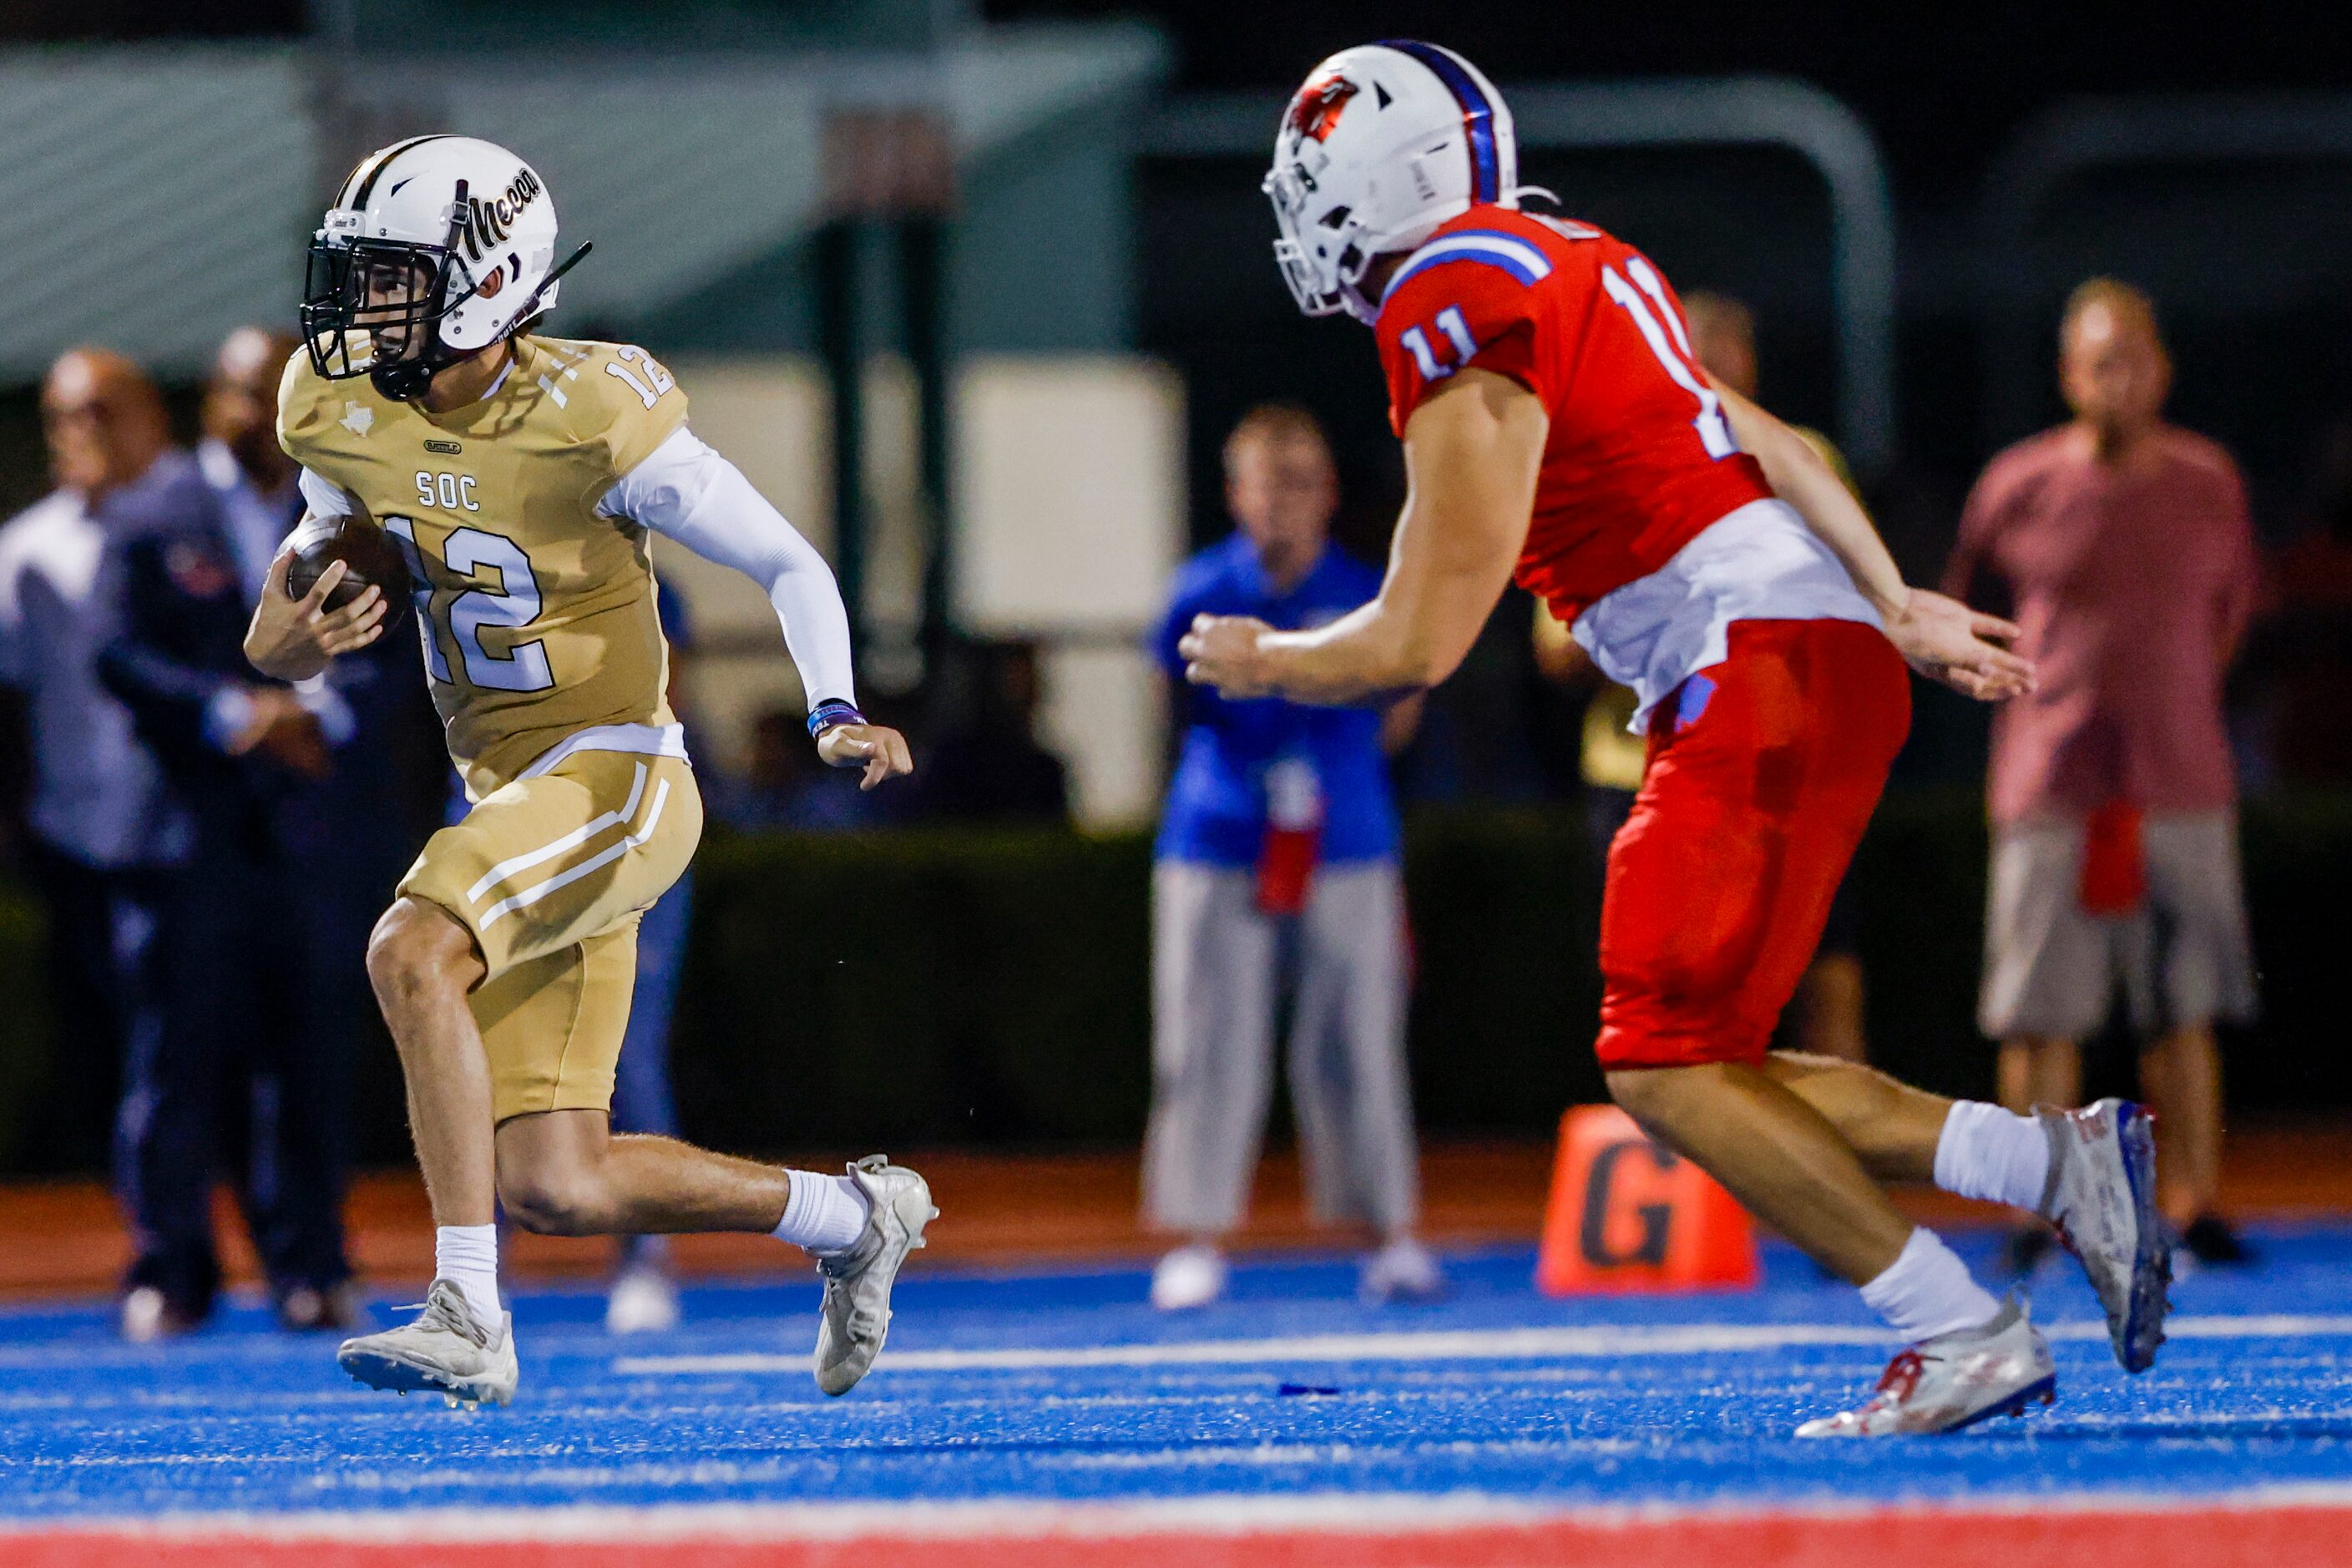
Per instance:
(829,714)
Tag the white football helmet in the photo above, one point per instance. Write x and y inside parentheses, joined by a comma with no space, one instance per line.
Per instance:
(1384,143)
(436,249)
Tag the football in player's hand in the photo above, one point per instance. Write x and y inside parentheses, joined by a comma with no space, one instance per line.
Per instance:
(369,556)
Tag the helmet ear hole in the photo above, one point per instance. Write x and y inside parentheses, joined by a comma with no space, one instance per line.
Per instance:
(1335,217)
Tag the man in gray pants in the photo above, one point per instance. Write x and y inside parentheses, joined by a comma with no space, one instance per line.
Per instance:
(2126,546)
(1277,859)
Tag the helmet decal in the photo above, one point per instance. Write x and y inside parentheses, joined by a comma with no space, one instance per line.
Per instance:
(1314,111)
(486,222)
(360,183)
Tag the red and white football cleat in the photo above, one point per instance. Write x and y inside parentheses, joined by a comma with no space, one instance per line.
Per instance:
(2101,1199)
(1953,1381)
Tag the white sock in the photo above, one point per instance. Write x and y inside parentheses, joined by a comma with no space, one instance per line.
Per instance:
(1987,1152)
(824,1213)
(468,1254)
(1927,1290)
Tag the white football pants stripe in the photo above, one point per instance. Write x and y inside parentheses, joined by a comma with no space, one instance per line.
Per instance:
(572,840)
(597,861)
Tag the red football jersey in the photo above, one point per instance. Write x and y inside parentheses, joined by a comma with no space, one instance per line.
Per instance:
(1640,458)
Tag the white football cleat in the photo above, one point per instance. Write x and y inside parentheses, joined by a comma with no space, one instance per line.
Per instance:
(642,1302)
(855,1315)
(1401,1271)
(1189,1278)
(1953,1381)
(2101,1197)
(448,1349)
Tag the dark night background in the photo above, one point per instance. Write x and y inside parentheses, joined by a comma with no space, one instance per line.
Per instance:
(2250,261)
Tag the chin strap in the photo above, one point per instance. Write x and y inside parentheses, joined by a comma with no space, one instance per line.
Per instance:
(1511,197)
(570,262)
(404,381)
(407,380)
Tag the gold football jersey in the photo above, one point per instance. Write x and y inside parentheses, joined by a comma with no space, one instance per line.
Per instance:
(537,615)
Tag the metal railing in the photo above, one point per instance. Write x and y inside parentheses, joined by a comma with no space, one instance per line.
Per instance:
(2103,135)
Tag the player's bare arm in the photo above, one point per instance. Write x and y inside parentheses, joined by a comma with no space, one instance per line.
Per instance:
(293,640)
(1941,637)
(1471,450)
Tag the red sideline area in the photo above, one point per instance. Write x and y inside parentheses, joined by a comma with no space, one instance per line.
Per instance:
(2068,1535)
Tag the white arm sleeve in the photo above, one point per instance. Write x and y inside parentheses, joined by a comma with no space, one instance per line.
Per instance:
(687,492)
(323,499)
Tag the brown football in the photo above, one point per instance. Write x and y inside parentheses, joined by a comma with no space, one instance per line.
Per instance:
(369,556)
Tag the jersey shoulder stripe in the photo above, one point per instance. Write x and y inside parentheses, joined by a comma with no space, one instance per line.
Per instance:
(1485,246)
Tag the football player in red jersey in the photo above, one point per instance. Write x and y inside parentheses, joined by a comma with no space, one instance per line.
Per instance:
(1556,426)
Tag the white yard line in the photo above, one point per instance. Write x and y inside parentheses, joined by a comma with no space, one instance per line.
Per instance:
(1453,1344)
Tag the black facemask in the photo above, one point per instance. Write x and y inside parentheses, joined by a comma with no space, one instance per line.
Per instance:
(339,306)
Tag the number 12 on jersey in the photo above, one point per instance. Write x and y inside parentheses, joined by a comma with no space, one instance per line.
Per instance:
(515,603)
(649,381)
(1681,366)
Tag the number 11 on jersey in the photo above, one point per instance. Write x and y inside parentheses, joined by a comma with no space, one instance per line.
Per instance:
(1457,333)
(1680,364)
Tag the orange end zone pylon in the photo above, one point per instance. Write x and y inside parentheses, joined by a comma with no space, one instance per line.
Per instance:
(1629,1215)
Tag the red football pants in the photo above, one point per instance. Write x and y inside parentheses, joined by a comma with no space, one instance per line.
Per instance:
(1763,771)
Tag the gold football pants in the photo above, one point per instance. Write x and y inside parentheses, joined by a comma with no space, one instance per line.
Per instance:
(550,874)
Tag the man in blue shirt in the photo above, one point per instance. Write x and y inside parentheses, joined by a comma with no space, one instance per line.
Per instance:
(1277,858)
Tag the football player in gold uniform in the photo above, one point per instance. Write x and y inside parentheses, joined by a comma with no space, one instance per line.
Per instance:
(522,476)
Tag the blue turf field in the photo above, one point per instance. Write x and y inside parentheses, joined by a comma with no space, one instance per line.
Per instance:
(1065,1386)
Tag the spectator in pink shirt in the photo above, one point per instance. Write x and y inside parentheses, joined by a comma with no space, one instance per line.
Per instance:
(2126,551)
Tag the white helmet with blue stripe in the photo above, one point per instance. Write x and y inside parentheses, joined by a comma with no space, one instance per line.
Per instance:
(1384,143)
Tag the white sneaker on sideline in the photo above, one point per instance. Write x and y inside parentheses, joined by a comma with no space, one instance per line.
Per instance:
(447,1349)
(2101,1196)
(144,1318)
(855,1317)
(1189,1278)
(1953,1381)
(642,1302)
(1401,1271)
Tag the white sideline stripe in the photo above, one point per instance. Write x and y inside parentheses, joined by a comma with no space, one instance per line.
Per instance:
(1339,1513)
(572,840)
(1466,1344)
(602,858)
